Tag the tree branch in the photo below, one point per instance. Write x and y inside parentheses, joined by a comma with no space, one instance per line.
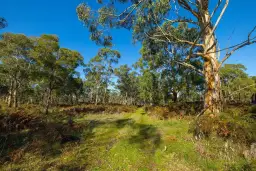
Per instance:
(239,46)
(186,64)
(215,9)
(235,49)
(190,66)
(181,21)
(219,18)
(180,40)
(232,46)
(136,6)
(186,6)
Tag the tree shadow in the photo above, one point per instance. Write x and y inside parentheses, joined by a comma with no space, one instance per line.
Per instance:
(43,137)
(148,138)
(120,123)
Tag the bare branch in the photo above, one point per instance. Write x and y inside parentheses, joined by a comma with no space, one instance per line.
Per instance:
(180,40)
(189,66)
(184,4)
(235,49)
(219,18)
(239,46)
(232,46)
(192,3)
(249,35)
(186,64)
(215,9)
(156,39)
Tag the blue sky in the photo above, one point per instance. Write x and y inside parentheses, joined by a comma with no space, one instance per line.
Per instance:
(36,17)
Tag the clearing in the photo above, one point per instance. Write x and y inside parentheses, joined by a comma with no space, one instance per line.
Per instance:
(127,141)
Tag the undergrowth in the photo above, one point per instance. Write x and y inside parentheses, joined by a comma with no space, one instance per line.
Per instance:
(117,141)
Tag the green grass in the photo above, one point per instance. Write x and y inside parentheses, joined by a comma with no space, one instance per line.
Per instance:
(132,141)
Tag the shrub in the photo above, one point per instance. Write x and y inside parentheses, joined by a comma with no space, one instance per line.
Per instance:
(242,165)
(203,126)
(240,129)
(97,109)
(160,112)
(253,109)
(234,125)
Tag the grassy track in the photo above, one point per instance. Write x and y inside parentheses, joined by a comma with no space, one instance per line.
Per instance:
(132,142)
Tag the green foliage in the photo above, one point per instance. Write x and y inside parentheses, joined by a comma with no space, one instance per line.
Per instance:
(239,129)
(32,68)
(3,23)
(253,109)
(98,74)
(236,125)
(16,64)
(237,86)
(242,165)
(127,84)
(108,16)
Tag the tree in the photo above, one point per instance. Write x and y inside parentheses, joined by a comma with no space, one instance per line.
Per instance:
(71,90)
(127,84)
(54,64)
(165,58)
(237,86)
(151,19)
(15,65)
(99,71)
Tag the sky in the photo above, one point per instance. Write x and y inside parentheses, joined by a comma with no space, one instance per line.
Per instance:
(37,17)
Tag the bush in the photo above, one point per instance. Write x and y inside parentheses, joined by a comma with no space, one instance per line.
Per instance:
(240,129)
(97,109)
(160,112)
(242,165)
(203,126)
(253,109)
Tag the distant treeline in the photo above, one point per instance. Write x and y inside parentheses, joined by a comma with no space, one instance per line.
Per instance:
(37,70)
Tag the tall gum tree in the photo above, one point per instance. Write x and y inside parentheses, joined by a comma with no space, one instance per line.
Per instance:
(151,19)
(15,63)
(99,70)
(55,64)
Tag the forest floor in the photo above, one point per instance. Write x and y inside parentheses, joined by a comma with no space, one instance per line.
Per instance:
(126,141)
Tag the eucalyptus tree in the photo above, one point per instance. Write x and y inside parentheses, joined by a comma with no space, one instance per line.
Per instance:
(237,86)
(166,57)
(148,82)
(99,71)
(54,64)
(71,90)
(15,64)
(127,84)
(154,18)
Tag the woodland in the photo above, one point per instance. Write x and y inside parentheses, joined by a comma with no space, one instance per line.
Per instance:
(179,107)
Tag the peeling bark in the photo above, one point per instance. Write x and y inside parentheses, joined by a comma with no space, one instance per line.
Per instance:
(212,102)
